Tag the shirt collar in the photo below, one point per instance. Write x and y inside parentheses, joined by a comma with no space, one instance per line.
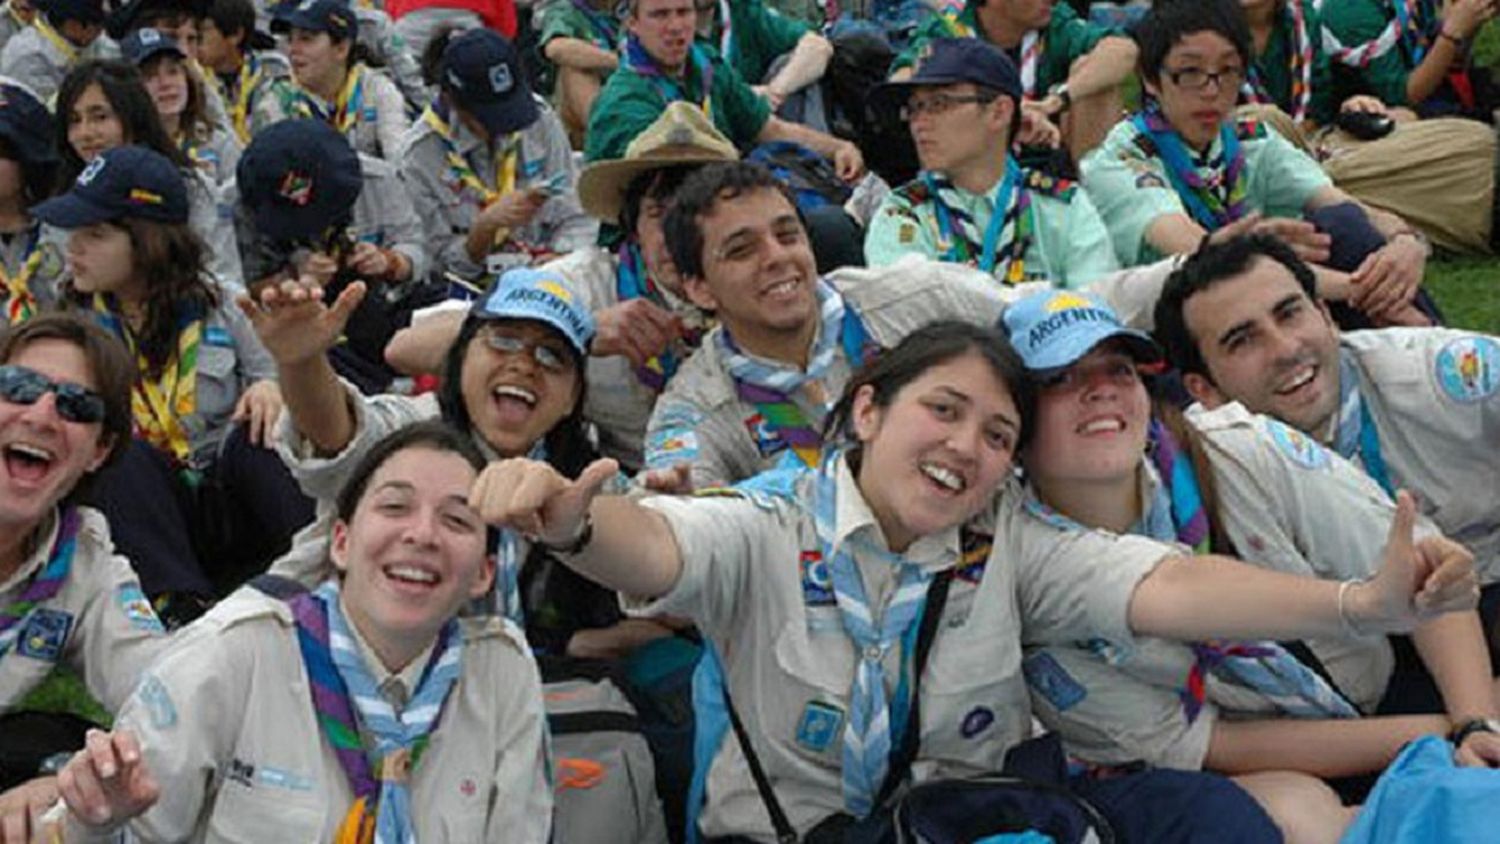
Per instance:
(408,677)
(854,524)
(41,539)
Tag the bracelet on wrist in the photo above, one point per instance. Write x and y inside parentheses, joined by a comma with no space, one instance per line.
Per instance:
(580,542)
(1473,725)
(1345,620)
(1460,43)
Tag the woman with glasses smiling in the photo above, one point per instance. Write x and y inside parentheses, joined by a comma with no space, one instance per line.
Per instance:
(1186,169)
(66,597)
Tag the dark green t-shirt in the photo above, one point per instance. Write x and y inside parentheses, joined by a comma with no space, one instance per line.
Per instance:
(1068,38)
(1273,68)
(565,19)
(631,101)
(1355,22)
(757,35)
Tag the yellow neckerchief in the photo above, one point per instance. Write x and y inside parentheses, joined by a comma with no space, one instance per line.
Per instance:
(347,105)
(70,52)
(21,304)
(506,161)
(159,407)
(237,101)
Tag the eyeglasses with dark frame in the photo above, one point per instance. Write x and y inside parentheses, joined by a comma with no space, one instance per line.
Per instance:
(75,403)
(1196,78)
(940,104)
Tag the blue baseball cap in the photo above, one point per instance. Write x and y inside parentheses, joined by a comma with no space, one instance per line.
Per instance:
(482,72)
(27,126)
(542,295)
(143,44)
(298,177)
(128,181)
(1053,329)
(334,17)
(948,61)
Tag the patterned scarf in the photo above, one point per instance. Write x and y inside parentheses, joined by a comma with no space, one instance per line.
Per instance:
(868,730)
(343,115)
(1301,50)
(1405,27)
(21,302)
(509,552)
(55,38)
(1033,47)
(1001,250)
(159,405)
(46,582)
(637,59)
(633,282)
(349,707)
(237,95)
(1357,438)
(1213,201)
(770,388)
(504,180)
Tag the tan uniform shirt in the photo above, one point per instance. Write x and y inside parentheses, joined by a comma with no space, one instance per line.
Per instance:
(378,124)
(789,665)
(100,623)
(229,730)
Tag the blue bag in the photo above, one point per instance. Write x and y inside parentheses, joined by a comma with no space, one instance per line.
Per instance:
(1425,796)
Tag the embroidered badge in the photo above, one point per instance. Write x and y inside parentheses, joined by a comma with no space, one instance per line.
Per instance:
(1053,682)
(1299,447)
(1468,369)
(132,602)
(92,171)
(153,694)
(241,772)
(906,233)
(500,78)
(45,635)
(819,726)
(668,447)
(766,441)
(977,721)
(817,585)
(1149,180)
(278,778)
(296,188)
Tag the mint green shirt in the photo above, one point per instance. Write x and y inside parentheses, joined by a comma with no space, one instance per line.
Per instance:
(1131,189)
(1070,246)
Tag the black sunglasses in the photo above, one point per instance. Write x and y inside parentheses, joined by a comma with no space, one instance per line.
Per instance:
(20,385)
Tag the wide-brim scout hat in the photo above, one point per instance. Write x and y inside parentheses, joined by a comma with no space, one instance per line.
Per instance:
(26,125)
(297,178)
(1054,329)
(129,181)
(682,135)
(481,71)
(538,294)
(948,61)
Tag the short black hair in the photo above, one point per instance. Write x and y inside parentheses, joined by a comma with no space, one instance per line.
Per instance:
(660,184)
(233,16)
(696,198)
(1170,21)
(934,344)
(1212,264)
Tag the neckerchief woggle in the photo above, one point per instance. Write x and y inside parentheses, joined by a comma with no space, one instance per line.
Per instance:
(21,302)
(671,90)
(349,707)
(1212,205)
(159,405)
(343,115)
(1176,514)
(1357,438)
(46,582)
(770,388)
(633,282)
(1006,238)
(868,730)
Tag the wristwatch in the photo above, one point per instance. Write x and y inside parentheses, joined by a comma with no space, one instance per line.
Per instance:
(1060,90)
(1471,726)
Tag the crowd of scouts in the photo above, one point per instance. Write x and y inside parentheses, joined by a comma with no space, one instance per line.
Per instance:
(1078,382)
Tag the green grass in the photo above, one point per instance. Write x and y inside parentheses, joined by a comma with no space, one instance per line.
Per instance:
(63,691)
(1468,291)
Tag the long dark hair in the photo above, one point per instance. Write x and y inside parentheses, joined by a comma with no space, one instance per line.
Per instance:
(122,87)
(568,448)
(932,345)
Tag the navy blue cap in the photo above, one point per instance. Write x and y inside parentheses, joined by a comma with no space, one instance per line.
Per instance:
(481,71)
(129,181)
(334,17)
(1054,328)
(27,126)
(142,45)
(298,177)
(131,15)
(87,11)
(948,61)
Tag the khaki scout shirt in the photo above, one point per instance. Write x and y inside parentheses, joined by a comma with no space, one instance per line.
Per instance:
(448,206)
(100,623)
(747,580)
(1434,394)
(1286,504)
(228,728)
(379,122)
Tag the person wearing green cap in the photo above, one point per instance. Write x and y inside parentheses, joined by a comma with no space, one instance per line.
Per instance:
(1106,457)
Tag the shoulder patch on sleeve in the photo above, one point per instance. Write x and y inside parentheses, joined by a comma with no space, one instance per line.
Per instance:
(132,602)
(1049,679)
(1468,369)
(1249,128)
(1297,446)
(915,192)
(154,696)
(1049,185)
(675,439)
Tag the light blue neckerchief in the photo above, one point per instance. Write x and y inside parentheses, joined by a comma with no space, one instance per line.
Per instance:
(868,730)
(1357,437)
(396,736)
(509,559)
(786,379)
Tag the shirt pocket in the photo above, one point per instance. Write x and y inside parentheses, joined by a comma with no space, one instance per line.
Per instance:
(807,704)
(218,387)
(255,815)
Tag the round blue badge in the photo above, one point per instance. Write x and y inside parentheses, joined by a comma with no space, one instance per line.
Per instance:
(1468,369)
(977,721)
(1302,449)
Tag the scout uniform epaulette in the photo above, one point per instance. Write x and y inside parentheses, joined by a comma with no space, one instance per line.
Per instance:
(915,192)
(1047,184)
(1248,128)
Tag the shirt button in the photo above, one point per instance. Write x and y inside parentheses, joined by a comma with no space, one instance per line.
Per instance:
(872,653)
